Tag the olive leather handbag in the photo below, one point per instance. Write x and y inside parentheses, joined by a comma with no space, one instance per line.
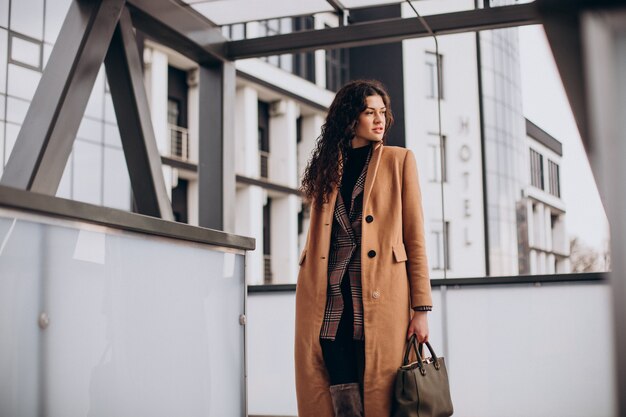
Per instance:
(422,388)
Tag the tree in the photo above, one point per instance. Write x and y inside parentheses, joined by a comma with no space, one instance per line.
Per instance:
(584,258)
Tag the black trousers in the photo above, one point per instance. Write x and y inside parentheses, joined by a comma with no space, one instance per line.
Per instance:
(344,357)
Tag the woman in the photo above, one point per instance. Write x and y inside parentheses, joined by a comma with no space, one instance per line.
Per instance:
(363,286)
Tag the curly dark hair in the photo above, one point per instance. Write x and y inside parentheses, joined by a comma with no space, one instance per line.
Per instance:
(323,171)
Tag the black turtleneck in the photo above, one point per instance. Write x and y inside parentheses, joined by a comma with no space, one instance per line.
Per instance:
(352,168)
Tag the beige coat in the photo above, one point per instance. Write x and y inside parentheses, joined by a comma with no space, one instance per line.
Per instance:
(393,281)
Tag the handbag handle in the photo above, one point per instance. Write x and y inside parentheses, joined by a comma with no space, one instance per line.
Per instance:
(412,343)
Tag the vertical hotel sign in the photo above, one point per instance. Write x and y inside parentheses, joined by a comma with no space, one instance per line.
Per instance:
(465,155)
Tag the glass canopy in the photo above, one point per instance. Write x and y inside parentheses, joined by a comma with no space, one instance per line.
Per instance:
(226,12)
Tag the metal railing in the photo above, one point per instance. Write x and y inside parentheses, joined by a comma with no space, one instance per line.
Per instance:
(179,142)
(267,269)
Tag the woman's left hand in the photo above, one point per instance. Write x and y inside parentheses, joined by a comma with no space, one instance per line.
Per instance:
(419,326)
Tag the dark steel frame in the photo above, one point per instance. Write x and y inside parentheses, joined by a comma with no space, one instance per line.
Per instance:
(27,201)
(384,31)
(584,61)
(593,277)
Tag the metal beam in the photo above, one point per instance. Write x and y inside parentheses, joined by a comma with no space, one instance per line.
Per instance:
(45,140)
(216,162)
(337,5)
(384,31)
(124,72)
(589,46)
(178,26)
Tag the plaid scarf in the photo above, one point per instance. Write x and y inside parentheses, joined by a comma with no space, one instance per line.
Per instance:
(344,260)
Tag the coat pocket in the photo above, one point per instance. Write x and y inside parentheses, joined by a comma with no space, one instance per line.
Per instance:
(399,253)
(302,256)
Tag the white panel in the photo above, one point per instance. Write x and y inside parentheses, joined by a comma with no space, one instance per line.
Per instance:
(4,14)
(511,343)
(16,110)
(126,337)
(271,378)
(3,100)
(109,110)
(27,18)
(1,148)
(116,180)
(232,11)
(112,135)
(12,131)
(22,82)
(25,51)
(87,184)
(54,18)
(4,39)
(96,99)
(502,344)
(90,129)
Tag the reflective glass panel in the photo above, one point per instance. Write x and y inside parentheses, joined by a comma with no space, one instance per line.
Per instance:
(27,17)
(129,324)
(26,51)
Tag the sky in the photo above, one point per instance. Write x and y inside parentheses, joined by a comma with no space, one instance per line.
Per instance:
(545,103)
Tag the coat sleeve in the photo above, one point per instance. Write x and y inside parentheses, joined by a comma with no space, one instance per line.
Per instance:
(413,234)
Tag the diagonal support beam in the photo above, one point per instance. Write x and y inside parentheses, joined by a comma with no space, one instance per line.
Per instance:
(45,140)
(384,31)
(124,72)
(177,25)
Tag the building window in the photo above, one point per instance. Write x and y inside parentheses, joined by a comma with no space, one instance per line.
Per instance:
(178,93)
(299,129)
(434,86)
(25,51)
(267,259)
(304,62)
(264,136)
(234,32)
(337,67)
(179,201)
(536,169)
(273,27)
(554,186)
(437,159)
(173,111)
(441,258)
(300,64)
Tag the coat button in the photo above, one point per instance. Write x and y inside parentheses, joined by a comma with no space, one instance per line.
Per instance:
(376,295)
(369,219)
(371,253)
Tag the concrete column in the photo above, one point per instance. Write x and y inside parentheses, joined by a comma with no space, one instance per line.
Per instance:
(156,64)
(284,241)
(531,224)
(311,128)
(193,113)
(247,161)
(547,216)
(249,213)
(533,262)
(283,169)
(550,269)
(282,135)
(193,117)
